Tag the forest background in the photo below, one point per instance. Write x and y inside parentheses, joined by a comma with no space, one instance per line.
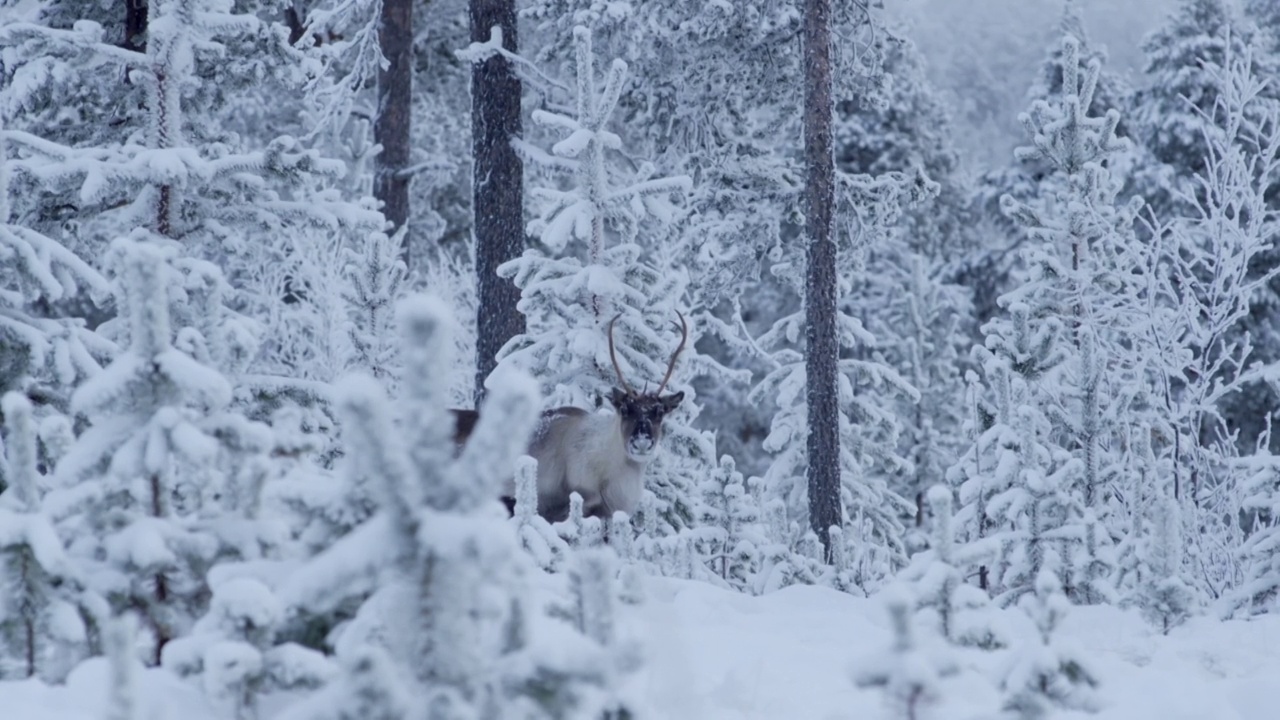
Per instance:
(981,319)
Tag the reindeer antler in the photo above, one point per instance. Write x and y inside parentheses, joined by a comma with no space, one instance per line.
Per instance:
(671,365)
(614,357)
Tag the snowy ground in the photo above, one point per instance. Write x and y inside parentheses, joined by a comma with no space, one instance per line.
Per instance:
(716,655)
(786,656)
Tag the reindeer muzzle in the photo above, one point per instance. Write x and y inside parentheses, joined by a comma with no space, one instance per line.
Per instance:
(640,447)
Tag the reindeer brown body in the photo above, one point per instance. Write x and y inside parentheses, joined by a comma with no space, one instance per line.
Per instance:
(599,455)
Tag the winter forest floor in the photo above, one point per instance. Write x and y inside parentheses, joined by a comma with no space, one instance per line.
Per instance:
(712,654)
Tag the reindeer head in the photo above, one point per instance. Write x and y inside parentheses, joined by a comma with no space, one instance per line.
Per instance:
(641,414)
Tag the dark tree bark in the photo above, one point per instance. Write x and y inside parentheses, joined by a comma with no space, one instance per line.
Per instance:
(823,349)
(135,25)
(391,128)
(497,185)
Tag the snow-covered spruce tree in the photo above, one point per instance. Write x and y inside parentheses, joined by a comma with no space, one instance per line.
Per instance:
(234,651)
(959,612)
(913,668)
(729,533)
(993,478)
(374,277)
(1046,674)
(577,529)
(593,584)
(783,560)
(143,487)
(1167,600)
(924,333)
(42,631)
(1085,275)
(1034,180)
(1039,511)
(590,275)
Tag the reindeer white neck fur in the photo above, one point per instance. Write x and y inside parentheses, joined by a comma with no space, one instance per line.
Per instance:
(599,455)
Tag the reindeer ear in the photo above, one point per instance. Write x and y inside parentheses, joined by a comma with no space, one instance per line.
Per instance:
(671,402)
(618,397)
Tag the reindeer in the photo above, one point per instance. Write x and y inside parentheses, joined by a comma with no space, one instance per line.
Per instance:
(600,457)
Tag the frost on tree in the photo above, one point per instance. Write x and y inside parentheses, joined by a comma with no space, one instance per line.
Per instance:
(1071,354)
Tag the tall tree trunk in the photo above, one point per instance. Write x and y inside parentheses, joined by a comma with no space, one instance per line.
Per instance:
(391,128)
(497,185)
(823,348)
(135,25)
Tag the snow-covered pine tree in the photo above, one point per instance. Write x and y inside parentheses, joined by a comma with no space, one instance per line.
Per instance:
(592,582)
(959,612)
(1167,600)
(1046,674)
(1085,276)
(142,488)
(729,533)
(782,560)
(577,530)
(537,536)
(922,332)
(913,668)
(234,650)
(1035,181)
(43,631)
(371,687)
(1014,485)
(1040,513)
(374,275)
